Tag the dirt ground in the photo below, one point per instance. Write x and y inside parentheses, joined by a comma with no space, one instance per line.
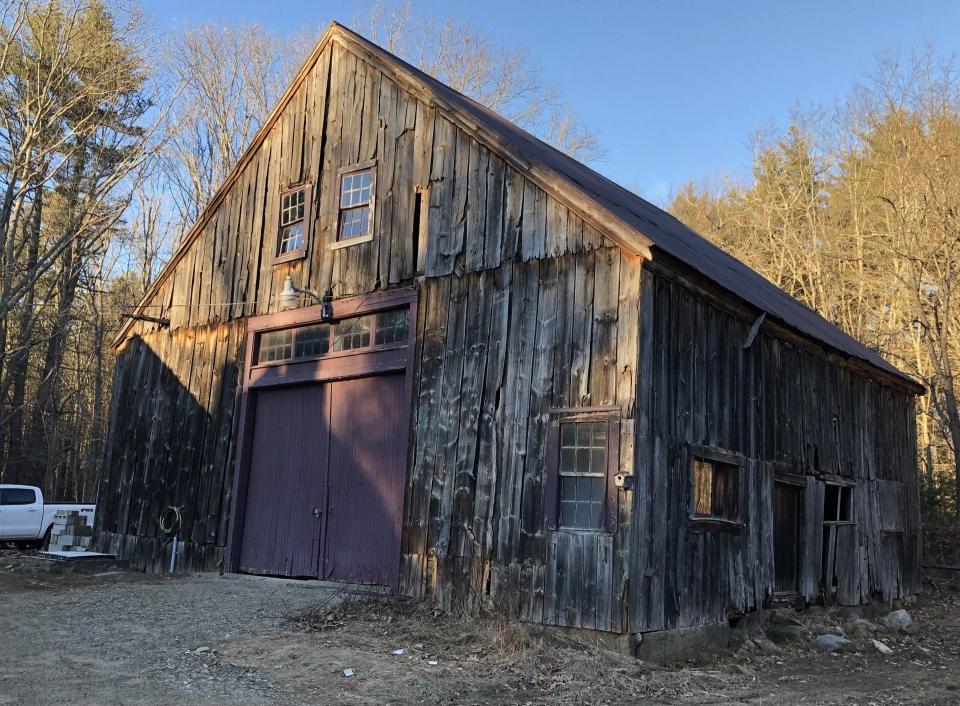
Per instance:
(125,638)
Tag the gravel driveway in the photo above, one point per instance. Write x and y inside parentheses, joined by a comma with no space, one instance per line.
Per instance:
(59,640)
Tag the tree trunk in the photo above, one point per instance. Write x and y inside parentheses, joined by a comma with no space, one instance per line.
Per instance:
(17,371)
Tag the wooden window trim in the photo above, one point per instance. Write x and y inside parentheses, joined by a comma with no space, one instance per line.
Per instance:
(611,503)
(699,523)
(336,243)
(299,253)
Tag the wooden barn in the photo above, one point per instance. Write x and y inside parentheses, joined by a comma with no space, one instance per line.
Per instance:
(409,344)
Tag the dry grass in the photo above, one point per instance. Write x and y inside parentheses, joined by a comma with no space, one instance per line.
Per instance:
(498,660)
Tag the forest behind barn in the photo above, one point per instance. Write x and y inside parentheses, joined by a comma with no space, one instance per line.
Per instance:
(114,135)
(855,211)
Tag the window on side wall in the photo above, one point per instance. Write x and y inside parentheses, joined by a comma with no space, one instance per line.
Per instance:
(715,479)
(837,503)
(355,205)
(582,460)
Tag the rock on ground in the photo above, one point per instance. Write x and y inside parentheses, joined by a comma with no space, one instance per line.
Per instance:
(830,643)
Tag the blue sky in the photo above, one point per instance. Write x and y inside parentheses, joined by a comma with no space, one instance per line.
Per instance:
(674,89)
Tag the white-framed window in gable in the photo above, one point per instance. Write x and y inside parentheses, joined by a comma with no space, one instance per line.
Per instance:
(355,204)
(293,224)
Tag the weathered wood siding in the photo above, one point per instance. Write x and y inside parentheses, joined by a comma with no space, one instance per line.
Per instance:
(786,409)
(500,349)
(171,443)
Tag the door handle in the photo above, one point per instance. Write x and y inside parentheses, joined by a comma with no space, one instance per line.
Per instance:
(317,512)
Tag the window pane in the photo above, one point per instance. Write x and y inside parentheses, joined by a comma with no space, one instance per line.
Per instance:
(583,448)
(291,238)
(598,460)
(581,502)
(312,340)
(355,189)
(352,333)
(393,326)
(354,222)
(275,345)
(291,207)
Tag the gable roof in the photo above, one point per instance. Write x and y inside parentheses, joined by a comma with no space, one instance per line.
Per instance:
(628,219)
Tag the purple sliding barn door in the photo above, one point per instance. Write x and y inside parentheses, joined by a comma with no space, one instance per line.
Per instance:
(285,495)
(367,473)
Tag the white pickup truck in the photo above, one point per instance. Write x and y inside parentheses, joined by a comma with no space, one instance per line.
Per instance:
(26,520)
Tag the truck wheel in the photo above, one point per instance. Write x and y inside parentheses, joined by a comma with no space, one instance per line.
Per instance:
(45,542)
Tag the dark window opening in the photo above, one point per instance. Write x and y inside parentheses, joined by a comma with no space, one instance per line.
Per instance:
(837,503)
(420,211)
(417,205)
(716,490)
(383,329)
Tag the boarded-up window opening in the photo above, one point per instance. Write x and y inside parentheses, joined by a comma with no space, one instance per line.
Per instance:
(715,487)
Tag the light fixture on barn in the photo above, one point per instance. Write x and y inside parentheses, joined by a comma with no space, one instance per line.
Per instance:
(289,296)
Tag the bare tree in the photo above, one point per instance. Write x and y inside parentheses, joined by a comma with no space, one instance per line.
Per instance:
(503,78)
(72,129)
(225,81)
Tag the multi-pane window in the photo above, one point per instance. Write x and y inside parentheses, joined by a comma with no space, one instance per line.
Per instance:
(291,238)
(385,328)
(393,326)
(352,333)
(715,490)
(275,345)
(356,191)
(311,341)
(583,474)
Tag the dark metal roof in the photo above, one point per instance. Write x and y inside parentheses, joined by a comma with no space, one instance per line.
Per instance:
(666,232)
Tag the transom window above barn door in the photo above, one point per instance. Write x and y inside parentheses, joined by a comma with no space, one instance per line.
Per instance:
(715,482)
(293,224)
(384,329)
(355,205)
(583,451)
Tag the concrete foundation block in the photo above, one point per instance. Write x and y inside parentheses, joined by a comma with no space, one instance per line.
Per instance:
(666,646)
